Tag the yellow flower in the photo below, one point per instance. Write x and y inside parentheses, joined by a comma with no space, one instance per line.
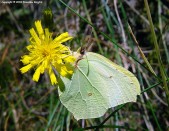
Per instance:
(47,54)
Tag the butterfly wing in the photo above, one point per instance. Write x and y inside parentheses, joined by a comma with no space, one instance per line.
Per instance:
(96,85)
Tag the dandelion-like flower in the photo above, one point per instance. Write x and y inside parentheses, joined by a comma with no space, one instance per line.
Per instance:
(46,54)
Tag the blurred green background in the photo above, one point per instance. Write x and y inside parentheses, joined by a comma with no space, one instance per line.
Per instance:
(29,106)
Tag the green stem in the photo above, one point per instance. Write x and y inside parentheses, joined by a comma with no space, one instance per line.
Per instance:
(112,114)
(155,118)
(164,78)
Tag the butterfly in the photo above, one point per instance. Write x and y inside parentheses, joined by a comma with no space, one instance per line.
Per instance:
(97,85)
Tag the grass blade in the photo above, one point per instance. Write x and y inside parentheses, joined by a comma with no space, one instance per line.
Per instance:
(141,53)
(157,51)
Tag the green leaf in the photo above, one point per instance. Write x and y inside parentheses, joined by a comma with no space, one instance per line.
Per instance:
(96,85)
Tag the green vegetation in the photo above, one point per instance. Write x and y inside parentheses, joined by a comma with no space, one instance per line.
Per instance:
(133,34)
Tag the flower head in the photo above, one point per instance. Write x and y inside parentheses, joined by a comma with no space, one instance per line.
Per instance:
(46,54)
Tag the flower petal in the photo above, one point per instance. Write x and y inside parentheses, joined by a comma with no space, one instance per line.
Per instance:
(36,75)
(48,35)
(69,59)
(52,76)
(65,39)
(63,71)
(26,68)
(35,36)
(62,38)
(39,27)
(25,59)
